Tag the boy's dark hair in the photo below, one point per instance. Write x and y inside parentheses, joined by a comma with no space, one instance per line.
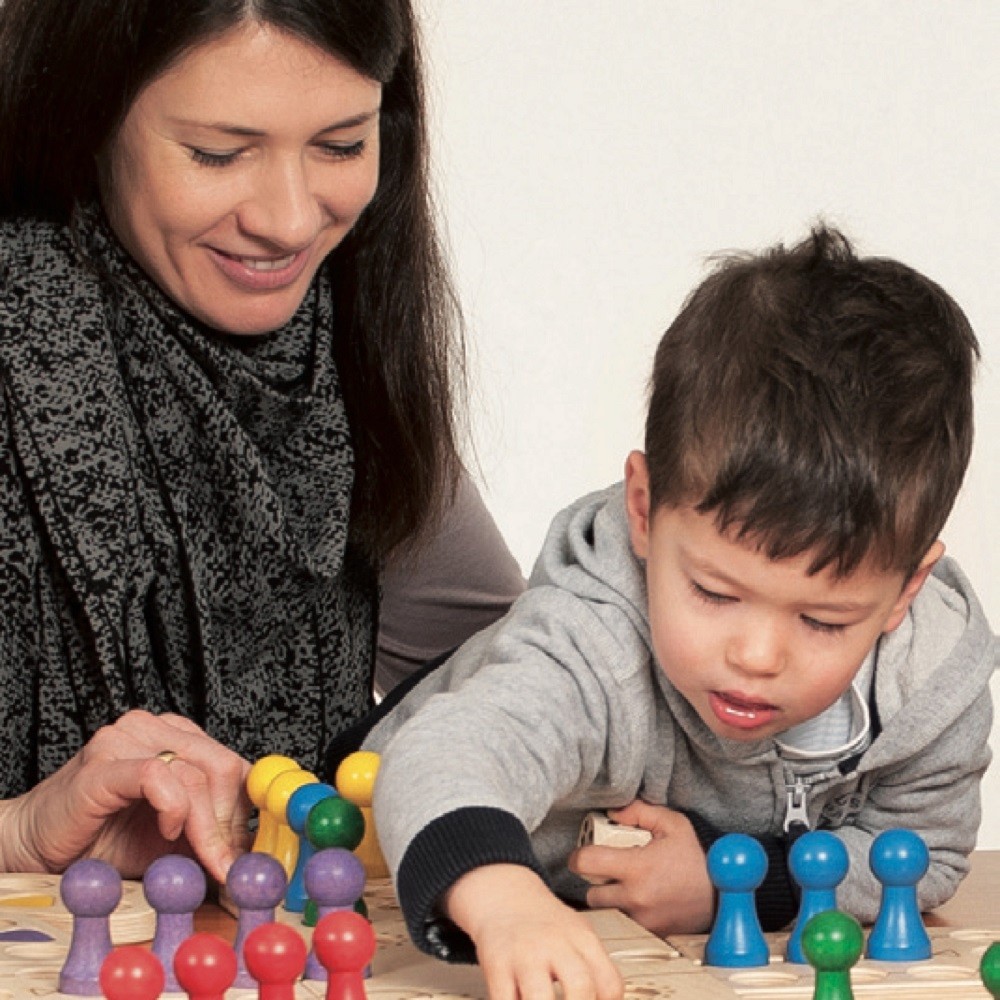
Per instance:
(70,72)
(815,401)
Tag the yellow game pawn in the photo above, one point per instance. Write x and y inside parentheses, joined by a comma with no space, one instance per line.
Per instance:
(355,780)
(286,840)
(258,781)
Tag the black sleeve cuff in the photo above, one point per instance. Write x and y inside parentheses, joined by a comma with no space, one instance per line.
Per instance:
(439,855)
(777,897)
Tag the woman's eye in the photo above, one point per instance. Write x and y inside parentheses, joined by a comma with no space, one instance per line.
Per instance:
(207,159)
(339,151)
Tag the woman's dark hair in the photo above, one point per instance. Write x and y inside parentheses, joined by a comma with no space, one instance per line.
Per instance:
(69,72)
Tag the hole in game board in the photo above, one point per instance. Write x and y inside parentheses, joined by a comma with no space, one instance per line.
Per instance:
(638,992)
(868,974)
(940,972)
(975,935)
(643,954)
(37,950)
(37,975)
(763,978)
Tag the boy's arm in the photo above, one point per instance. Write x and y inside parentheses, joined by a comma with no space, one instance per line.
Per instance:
(937,795)
(526,939)
(518,721)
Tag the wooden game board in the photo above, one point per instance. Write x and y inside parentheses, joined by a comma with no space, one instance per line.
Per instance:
(653,969)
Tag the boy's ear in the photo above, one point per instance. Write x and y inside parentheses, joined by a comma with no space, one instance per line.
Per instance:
(912,586)
(637,502)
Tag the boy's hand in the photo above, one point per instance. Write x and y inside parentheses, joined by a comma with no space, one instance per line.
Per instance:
(665,885)
(527,940)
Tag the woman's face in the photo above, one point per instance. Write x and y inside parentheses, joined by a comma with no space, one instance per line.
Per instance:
(239,169)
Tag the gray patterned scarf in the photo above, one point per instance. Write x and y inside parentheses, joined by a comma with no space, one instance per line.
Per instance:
(175,507)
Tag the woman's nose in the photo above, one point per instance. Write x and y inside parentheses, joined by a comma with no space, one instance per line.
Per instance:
(283,209)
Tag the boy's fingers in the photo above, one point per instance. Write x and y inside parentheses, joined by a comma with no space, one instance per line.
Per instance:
(608,981)
(602,864)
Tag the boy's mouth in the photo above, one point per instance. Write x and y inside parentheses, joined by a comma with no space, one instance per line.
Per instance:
(734,709)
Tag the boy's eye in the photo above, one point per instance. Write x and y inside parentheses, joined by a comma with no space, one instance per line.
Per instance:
(829,628)
(710,596)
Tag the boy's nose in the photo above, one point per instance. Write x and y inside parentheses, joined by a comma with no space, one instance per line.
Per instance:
(759,652)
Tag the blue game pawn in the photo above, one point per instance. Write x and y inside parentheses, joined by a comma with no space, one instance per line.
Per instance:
(899,859)
(301,802)
(737,865)
(818,863)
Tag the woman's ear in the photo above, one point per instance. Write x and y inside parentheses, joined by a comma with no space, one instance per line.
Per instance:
(637,502)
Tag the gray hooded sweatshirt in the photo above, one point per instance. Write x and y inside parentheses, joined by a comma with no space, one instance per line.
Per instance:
(560,708)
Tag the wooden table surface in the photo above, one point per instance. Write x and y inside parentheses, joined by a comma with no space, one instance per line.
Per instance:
(975,903)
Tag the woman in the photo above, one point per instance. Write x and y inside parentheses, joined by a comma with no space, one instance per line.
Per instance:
(227,348)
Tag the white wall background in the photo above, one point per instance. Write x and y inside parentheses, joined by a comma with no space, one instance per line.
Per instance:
(591,153)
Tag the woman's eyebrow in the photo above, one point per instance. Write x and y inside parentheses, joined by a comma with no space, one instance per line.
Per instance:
(243,131)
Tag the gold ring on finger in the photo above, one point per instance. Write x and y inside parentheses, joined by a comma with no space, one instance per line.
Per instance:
(167,756)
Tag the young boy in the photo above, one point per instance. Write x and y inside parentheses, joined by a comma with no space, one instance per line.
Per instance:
(756,632)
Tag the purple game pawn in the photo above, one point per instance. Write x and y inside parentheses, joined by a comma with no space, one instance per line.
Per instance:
(90,890)
(174,887)
(335,880)
(256,883)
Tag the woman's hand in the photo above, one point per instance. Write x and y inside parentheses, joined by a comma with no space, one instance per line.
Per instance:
(664,886)
(118,801)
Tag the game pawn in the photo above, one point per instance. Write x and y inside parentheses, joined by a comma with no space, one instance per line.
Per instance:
(90,890)
(299,806)
(132,973)
(263,772)
(344,942)
(205,967)
(335,880)
(818,862)
(332,822)
(286,842)
(275,955)
(256,885)
(899,859)
(832,942)
(737,865)
(989,969)
(355,780)
(175,887)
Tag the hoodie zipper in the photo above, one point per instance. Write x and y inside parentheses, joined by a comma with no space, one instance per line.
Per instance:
(796,806)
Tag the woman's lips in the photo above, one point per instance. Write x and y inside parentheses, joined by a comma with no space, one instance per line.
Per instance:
(261,273)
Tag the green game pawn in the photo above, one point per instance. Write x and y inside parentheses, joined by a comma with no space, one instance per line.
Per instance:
(989,969)
(832,943)
(335,822)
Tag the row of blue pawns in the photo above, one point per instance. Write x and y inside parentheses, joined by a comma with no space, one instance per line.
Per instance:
(818,862)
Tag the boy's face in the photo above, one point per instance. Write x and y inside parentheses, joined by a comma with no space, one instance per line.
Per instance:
(754,644)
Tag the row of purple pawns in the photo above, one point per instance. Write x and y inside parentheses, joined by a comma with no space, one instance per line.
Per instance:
(175,886)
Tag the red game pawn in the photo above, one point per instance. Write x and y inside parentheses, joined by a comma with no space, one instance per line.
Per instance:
(344,942)
(205,966)
(132,973)
(275,955)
